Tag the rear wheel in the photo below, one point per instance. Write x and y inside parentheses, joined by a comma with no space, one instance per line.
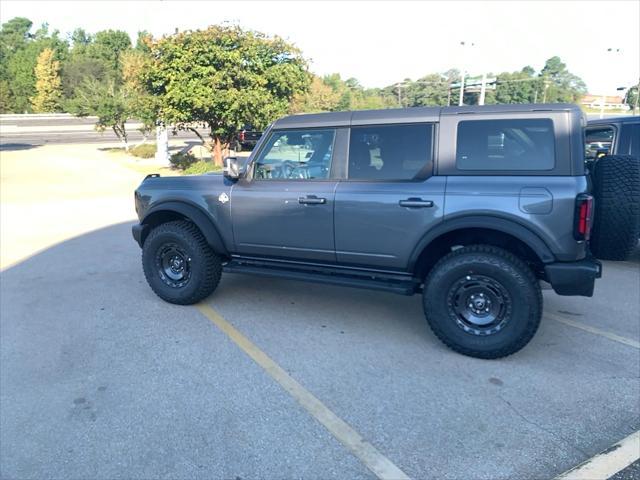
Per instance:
(482,301)
(179,265)
(616,223)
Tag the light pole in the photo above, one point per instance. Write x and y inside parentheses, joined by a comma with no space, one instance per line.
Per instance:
(461,100)
(604,94)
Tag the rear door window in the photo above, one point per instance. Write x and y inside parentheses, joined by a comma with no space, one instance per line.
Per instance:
(508,144)
(390,152)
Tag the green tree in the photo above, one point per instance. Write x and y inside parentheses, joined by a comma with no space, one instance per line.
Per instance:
(319,98)
(107,47)
(516,87)
(144,106)
(558,84)
(632,98)
(48,86)
(111,103)
(19,51)
(77,69)
(224,77)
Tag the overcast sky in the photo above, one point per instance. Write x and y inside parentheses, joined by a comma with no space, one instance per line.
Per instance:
(382,42)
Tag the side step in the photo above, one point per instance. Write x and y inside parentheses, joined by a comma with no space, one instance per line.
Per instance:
(401,284)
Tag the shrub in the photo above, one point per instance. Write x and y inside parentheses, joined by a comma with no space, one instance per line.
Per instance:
(202,166)
(182,161)
(146,150)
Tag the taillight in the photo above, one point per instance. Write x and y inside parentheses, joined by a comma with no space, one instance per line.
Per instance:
(583,216)
(241,136)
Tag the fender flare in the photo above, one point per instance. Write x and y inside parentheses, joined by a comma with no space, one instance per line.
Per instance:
(499,224)
(195,214)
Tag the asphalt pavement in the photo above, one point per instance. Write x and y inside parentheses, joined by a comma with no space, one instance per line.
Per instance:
(101,379)
(24,131)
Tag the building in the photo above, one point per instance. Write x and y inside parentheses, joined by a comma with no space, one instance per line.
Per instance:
(610,102)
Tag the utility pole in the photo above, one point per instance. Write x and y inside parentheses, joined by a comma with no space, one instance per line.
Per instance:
(483,89)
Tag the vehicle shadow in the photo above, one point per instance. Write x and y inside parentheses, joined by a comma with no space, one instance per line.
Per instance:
(10,147)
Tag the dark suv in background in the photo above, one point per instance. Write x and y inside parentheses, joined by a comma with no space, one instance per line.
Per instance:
(616,232)
(469,206)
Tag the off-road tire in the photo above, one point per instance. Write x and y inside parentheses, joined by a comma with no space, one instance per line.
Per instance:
(511,273)
(205,265)
(616,223)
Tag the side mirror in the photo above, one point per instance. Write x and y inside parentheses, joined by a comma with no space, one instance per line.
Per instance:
(232,168)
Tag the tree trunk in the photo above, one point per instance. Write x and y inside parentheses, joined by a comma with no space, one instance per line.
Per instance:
(216,152)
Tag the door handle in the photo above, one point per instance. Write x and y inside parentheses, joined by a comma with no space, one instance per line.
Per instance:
(312,200)
(416,203)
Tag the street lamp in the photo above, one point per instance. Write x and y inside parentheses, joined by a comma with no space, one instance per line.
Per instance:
(604,94)
(461,100)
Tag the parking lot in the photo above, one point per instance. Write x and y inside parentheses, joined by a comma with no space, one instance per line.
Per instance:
(272,378)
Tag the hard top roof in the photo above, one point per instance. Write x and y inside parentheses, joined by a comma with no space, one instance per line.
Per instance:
(621,119)
(408,115)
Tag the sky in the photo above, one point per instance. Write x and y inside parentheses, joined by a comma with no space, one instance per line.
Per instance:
(383,42)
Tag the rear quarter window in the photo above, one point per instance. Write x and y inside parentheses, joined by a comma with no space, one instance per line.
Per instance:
(505,145)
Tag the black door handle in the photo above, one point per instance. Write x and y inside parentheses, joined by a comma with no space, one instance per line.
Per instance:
(416,203)
(312,200)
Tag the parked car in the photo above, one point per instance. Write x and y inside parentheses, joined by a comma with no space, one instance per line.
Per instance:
(613,144)
(471,207)
(246,139)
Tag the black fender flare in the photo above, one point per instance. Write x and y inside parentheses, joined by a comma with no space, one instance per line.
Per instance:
(191,212)
(499,224)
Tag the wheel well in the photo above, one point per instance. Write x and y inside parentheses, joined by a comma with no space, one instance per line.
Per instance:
(449,241)
(158,218)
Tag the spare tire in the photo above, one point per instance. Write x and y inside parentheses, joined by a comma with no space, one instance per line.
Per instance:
(616,224)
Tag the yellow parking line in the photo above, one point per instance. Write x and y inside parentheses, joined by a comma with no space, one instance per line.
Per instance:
(596,331)
(380,465)
(608,463)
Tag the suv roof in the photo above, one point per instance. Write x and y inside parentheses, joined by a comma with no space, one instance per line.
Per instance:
(621,119)
(412,114)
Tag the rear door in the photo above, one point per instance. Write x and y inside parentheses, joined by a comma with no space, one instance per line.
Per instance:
(390,198)
(284,207)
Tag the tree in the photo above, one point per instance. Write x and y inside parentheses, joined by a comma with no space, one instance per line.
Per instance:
(111,103)
(144,107)
(19,51)
(107,47)
(319,98)
(558,84)
(224,77)
(516,87)
(77,69)
(48,86)
(632,98)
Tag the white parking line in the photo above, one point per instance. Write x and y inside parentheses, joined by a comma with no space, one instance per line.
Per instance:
(375,461)
(607,463)
(596,331)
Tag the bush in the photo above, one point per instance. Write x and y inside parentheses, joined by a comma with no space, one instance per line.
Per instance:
(146,150)
(202,166)
(182,161)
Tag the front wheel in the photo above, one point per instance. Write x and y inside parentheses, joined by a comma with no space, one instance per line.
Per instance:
(482,301)
(178,264)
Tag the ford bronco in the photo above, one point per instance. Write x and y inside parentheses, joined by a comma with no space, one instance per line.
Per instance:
(472,207)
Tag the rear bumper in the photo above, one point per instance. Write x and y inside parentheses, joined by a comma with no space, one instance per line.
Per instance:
(138,232)
(574,278)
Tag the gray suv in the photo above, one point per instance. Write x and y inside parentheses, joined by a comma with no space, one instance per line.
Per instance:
(469,206)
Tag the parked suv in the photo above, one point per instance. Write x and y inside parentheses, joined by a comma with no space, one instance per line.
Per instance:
(613,144)
(470,206)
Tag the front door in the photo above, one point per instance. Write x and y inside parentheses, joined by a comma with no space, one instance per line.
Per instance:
(284,206)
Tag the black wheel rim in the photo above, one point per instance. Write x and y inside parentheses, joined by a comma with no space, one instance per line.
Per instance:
(173,265)
(480,305)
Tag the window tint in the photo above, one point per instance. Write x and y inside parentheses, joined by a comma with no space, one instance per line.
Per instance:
(526,144)
(598,141)
(630,139)
(296,154)
(392,152)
